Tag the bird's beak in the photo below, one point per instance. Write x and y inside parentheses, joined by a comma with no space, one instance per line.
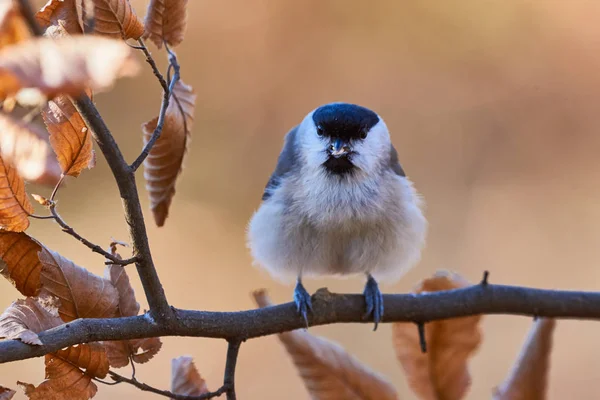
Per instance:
(339,148)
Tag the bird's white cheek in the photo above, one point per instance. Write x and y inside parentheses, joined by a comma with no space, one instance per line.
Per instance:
(314,152)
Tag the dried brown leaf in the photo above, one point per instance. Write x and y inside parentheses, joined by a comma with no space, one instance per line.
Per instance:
(13,28)
(20,262)
(24,319)
(166,21)
(15,208)
(119,352)
(185,378)
(117,19)
(70,137)
(65,378)
(25,147)
(60,13)
(529,378)
(165,161)
(441,373)
(328,371)
(6,393)
(81,293)
(64,66)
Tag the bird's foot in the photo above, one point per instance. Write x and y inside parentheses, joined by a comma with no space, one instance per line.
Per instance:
(374,300)
(302,300)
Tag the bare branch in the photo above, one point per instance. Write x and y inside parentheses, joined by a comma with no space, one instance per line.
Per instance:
(329,308)
(152,63)
(147,388)
(125,177)
(233,349)
(94,247)
(163,107)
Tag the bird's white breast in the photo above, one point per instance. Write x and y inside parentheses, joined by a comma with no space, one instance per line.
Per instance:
(316,224)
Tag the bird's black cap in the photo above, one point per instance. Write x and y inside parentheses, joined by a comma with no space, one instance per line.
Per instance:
(344,121)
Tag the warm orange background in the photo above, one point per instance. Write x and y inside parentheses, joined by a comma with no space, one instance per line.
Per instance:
(493,106)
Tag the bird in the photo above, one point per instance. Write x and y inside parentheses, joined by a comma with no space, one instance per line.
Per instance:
(338,204)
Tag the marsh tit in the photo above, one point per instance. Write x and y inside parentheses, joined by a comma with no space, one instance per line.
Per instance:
(338,204)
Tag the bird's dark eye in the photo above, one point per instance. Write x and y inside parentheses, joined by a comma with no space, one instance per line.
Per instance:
(320,130)
(363,134)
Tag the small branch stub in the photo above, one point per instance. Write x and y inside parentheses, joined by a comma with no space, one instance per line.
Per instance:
(422,339)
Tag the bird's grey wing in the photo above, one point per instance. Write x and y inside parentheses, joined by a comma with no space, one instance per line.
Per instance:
(394,163)
(285,163)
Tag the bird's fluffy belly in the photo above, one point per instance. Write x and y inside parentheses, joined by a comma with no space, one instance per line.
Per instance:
(288,245)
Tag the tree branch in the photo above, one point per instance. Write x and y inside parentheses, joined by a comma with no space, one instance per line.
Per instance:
(233,350)
(329,308)
(125,177)
(147,388)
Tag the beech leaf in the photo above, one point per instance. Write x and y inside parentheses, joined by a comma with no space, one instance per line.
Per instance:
(65,379)
(62,13)
(117,19)
(6,393)
(20,262)
(166,21)
(25,147)
(185,378)
(13,28)
(81,293)
(529,378)
(15,208)
(119,352)
(441,373)
(70,137)
(328,371)
(165,161)
(24,319)
(64,66)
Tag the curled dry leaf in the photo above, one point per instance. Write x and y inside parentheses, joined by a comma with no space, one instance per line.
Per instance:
(60,13)
(166,21)
(25,147)
(15,208)
(24,319)
(65,378)
(165,161)
(442,372)
(64,66)
(328,371)
(529,377)
(117,19)
(6,393)
(81,293)
(13,28)
(185,378)
(20,262)
(70,137)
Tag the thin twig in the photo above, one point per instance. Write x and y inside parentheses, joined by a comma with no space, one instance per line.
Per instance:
(147,388)
(152,63)
(163,107)
(233,349)
(94,247)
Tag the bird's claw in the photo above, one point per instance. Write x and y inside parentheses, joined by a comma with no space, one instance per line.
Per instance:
(302,300)
(374,300)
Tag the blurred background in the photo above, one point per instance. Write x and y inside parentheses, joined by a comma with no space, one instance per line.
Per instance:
(493,105)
